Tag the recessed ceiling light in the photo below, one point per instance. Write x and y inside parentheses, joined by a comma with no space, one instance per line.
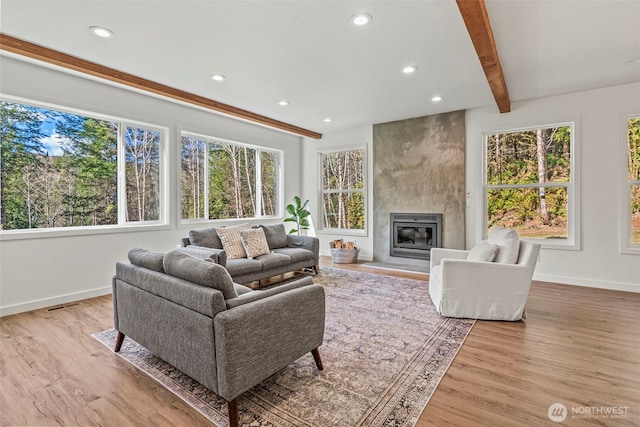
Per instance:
(101,32)
(283,102)
(327,120)
(218,77)
(361,19)
(409,69)
(436,98)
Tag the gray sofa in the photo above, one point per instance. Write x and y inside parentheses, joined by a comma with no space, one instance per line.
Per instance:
(188,312)
(287,253)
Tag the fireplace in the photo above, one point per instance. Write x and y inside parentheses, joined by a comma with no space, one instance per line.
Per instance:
(414,234)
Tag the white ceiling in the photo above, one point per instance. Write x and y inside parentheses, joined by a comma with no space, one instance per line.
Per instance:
(308,53)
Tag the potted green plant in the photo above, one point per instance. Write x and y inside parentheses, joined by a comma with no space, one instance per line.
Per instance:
(299,214)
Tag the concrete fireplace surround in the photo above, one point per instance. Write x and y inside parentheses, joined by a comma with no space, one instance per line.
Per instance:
(419,166)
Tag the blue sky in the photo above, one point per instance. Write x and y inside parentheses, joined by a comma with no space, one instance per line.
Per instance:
(52,140)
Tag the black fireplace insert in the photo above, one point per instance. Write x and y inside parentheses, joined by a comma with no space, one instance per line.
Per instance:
(413,235)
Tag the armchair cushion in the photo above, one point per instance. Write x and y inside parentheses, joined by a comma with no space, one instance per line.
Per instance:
(203,272)
(254,242)
(231,241)
(276,235)
(508,243)
(146,259)
(247,297)
(483,251)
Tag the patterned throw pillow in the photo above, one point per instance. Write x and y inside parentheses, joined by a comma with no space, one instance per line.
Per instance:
(231,241)
(254,242)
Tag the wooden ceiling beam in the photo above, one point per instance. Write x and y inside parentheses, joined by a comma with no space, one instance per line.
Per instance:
(476,19)
(41,53)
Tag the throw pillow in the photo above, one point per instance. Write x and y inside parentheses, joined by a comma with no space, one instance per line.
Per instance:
(483,251)
(200,271)
(207,238)
(146,259)
(231,241)
(276,235)
(508,242)
(254,242)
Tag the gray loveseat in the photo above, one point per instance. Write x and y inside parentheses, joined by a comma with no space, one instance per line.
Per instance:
(287,253)
(188,312)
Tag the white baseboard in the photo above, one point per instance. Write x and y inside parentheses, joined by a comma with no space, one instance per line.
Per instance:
(589,283)
(48,302)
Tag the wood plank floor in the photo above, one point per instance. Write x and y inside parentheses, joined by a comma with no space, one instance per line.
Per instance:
(579,347)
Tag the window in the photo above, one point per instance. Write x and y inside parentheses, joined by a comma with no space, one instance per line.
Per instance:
(343,189)
(61,169)
(632,190)
(142,166)
(529,182)
(223,179)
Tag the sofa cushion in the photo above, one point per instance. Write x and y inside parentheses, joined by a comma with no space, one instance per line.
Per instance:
(483,251)
(231,241)
(276,235)
(146,259)
(239,266)
(296,254)
(274,260)
(203,272)
(254,242)
(207,238)
(508,242)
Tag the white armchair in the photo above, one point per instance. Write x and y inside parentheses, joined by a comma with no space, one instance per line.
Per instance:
(481,290)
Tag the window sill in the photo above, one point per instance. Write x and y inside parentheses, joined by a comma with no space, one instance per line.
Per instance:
(342,232)
(555,244)
(41,233)
(630,250)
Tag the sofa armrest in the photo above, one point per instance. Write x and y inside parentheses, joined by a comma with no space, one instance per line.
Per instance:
(219,256)
(257,339)
(438,254)
(306,242)
(202,299)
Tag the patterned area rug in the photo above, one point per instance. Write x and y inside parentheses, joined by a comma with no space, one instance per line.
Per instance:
(384,353)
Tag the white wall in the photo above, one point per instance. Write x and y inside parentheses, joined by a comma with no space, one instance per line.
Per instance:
(361,136)
(44,271)
(40,272)
(599,113)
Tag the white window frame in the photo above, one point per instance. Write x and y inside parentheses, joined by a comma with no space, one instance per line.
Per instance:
(342,231)
(122,180)
(573,241)
(121,226)
(259,149)
(626,247)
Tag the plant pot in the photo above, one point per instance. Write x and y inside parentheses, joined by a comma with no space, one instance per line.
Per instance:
(344,256)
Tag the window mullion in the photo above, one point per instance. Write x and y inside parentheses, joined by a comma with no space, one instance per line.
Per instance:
(122,176)
(258,192)
(206,165)
(536,185)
